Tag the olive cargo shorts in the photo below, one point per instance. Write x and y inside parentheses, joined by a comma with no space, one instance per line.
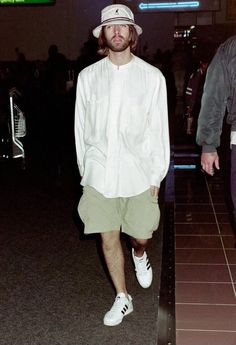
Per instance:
(137,216)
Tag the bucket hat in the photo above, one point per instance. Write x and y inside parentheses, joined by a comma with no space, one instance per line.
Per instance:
(116,14)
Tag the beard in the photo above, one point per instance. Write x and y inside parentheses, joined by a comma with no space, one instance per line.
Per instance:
(118,46)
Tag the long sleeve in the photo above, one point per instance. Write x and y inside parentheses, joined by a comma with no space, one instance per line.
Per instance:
(121,127)
(79,125)
(214,103)
(159,134)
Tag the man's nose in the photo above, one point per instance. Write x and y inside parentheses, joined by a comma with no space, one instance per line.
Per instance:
(116,28)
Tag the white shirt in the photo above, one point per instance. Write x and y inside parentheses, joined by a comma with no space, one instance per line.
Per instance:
(233,138)
(121,127)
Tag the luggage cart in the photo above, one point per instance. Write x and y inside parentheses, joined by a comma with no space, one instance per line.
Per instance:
(18,131)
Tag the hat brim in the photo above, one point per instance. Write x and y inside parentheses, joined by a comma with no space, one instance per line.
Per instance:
(97,30)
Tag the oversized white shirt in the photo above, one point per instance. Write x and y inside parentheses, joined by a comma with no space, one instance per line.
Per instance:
(121,127)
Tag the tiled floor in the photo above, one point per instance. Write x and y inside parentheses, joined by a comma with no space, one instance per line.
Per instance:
(205,262)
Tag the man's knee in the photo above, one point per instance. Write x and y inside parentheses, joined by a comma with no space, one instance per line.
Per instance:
(110,240)
(141,242)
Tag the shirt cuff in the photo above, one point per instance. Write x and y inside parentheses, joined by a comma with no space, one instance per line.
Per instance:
(81,170)
(208,148)
(155,181)
(233,138)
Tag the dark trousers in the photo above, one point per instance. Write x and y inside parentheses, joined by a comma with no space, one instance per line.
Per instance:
(233,178)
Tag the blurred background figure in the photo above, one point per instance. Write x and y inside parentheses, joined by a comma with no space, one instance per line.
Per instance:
(4,110)
(180,65)
(55,87)
(193,96)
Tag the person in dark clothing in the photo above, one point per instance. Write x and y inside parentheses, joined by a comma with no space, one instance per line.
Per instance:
(56,72)
(4,115)
(219,99)
(55,102)
(193,96)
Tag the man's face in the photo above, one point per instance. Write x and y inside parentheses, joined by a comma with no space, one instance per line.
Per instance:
(204,66)
(117,36)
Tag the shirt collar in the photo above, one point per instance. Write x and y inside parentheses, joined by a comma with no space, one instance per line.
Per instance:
(122,67)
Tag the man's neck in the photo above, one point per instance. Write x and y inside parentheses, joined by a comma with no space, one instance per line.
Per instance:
(120,58)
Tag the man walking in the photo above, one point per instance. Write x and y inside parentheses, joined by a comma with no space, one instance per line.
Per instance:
(193,96)
(219,98)
(122,144)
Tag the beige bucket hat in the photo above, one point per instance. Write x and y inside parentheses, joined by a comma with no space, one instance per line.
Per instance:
(116,14)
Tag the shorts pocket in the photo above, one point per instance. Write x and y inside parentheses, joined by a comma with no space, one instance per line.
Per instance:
(82,208)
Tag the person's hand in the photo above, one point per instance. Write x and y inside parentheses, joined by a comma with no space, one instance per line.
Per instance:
(189,109)
(154,190)
(210,161)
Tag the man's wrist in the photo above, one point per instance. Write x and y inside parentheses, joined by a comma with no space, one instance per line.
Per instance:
(208,149)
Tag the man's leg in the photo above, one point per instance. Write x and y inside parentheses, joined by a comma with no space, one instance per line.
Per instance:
(139,246)
(114,257)
(141,262)
(141,219)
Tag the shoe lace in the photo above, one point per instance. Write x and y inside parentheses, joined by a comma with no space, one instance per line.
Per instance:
(116,305)
(141,265)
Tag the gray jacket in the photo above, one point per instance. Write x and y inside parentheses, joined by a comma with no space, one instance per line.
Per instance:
(219,97)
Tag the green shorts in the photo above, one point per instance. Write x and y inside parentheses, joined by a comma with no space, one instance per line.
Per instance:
(137,216)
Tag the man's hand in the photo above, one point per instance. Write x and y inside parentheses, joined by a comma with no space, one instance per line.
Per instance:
(209,161)
(154,190)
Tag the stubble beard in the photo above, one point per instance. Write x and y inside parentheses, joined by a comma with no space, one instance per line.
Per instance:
(115,47)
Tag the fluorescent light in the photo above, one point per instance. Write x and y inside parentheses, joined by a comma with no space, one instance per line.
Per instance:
(185,166)
(163,5)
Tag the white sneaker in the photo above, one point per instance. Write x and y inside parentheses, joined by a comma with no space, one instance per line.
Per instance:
(121,307)
(143,269)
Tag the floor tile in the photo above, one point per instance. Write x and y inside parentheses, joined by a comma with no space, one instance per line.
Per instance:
(202,273)
(231,255)
(199,241)
(218,198)
(205,256)
(221,207)
(203,208)
(229,242)
(223,217)
(198,229)
(213,293)
(184,337)
(186,198)
(225,229)
(205,296)
(189,185)
(206,317)
(188,189)
(217,192)
(193,217)
(233,272)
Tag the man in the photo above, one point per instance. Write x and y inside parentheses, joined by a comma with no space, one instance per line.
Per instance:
(193,95)
(122,143)
(219,98)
